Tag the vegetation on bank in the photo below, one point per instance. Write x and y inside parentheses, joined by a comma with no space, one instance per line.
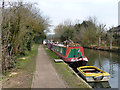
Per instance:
(88,33)
(21,76)
(113,49)
(22,26)
(71,79)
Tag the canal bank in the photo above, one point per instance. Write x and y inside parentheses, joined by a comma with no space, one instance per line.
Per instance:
(101,48)
(45,75)
(66,73)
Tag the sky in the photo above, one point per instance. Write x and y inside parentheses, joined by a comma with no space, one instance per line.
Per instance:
(119,13)
(58,11)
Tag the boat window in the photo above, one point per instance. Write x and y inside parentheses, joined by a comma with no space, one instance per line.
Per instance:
(61,50)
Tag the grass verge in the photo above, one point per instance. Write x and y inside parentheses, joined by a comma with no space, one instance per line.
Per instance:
(67,75)
(21,76)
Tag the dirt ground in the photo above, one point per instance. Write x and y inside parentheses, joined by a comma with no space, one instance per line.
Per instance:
(20,80)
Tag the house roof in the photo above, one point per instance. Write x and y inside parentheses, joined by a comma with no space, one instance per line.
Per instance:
(115,29)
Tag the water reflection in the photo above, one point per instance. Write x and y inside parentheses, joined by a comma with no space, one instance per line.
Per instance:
(107,61)
(100,85)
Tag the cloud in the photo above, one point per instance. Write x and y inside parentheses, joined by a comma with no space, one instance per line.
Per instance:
(59,10)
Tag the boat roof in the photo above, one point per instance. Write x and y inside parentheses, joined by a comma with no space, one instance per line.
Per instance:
(61,45)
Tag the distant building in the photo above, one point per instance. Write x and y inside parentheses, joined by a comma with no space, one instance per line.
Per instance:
(119,13)
(115,30)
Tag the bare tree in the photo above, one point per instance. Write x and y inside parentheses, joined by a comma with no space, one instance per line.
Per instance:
(21,25)
(111,38)
(100,32)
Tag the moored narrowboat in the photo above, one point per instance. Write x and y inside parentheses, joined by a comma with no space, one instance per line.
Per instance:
(93,74)
(73,55)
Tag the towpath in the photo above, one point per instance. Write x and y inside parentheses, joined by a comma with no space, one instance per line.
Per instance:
(45,75)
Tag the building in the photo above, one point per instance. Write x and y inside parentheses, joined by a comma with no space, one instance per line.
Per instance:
(115,30)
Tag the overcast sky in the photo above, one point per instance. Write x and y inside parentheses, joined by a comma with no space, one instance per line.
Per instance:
(106,11)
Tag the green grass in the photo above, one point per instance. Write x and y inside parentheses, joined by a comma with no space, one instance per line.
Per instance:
(28,64)
(71,79)
(25,68)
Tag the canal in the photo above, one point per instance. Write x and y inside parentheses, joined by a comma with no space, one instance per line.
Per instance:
(107,61)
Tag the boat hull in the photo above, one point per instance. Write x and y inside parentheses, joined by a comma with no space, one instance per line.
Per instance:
(93,74)
(72,55)
(93,78)
(73,64)
(77,64)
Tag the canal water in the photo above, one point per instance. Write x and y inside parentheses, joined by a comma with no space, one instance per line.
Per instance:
(107,61)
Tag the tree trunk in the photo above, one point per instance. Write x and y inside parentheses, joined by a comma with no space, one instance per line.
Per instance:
(99,41)
(2,47)
(111,44)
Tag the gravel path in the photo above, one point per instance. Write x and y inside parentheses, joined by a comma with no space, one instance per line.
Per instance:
(45,75)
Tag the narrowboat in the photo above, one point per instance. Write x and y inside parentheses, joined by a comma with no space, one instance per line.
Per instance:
(93,74)
(73,55)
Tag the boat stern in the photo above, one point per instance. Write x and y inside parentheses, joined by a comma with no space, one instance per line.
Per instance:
(94,78)
(77,62)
